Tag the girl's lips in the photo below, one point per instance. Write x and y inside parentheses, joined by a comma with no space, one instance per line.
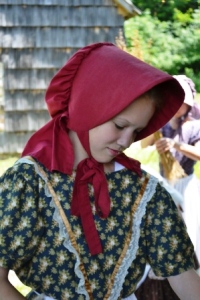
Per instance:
(113,152)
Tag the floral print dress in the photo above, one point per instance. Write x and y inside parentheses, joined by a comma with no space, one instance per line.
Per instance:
(143,226)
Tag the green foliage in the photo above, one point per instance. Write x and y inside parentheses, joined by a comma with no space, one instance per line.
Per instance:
(167,45)
(165,10)
(184,18)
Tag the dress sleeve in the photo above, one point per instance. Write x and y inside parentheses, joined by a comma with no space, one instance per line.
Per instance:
(195,111)
(169,249)
(21,222)
(191,131)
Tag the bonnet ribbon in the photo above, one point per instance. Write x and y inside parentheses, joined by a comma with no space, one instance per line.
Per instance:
(90,171)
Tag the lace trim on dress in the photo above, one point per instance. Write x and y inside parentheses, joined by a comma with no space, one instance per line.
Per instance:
(133,245)
(62,230)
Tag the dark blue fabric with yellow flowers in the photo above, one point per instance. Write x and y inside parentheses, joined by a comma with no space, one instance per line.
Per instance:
(35,244)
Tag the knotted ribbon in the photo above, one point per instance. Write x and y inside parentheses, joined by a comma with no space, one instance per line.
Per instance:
(90,171)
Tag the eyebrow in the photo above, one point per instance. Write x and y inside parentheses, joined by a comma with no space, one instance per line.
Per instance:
(121,119)
(125,121)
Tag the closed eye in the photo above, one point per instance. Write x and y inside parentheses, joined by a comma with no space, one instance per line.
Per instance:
(119,127)
(137,131)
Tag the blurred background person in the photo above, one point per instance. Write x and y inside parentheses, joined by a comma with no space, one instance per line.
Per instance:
(178,145)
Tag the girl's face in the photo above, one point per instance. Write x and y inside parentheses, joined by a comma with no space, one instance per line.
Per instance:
(114,136)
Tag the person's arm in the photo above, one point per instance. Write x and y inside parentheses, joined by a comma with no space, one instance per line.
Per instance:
(186,285)
(7,291)
(190,151)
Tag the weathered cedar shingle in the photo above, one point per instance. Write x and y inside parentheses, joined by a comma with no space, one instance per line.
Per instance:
(37,58)
(58,2)
(19,120)
(36,38)
(51,16)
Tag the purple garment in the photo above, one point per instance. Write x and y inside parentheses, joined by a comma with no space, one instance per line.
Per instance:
(194,113)
(188,133)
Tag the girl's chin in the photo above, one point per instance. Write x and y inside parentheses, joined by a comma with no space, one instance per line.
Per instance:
(104,161)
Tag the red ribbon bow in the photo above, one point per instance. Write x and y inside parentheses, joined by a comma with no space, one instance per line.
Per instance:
(90,171)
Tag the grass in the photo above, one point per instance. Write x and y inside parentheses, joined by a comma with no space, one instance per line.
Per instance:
(149,156)
(6,161)
(24,290)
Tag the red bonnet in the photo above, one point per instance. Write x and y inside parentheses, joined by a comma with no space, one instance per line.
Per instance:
(96,83)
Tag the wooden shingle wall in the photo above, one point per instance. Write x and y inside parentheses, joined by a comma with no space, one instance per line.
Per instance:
(36,38)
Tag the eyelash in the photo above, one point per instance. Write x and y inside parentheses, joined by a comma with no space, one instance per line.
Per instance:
(137,131)
(119,127)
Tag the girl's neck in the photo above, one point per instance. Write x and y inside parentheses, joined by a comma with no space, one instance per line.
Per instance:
(109,167)
(79,151)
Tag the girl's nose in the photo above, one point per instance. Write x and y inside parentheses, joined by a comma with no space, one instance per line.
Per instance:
(126,139)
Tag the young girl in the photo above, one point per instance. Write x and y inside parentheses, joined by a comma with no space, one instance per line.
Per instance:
(79,219)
